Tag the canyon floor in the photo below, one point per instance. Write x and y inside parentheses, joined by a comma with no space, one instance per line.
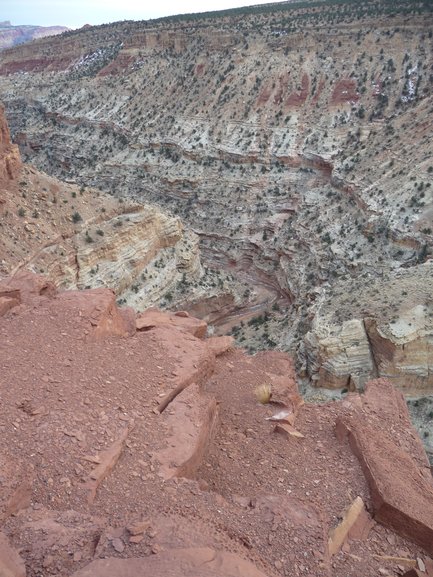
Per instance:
(134,444)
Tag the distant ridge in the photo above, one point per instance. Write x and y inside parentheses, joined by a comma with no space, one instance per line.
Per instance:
(13,35)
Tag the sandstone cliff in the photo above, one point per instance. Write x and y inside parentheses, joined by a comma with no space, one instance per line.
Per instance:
(81,238)
(390,336)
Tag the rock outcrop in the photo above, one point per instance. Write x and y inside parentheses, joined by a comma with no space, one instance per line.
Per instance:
(140,451)
(393,342)
(394,462)
(340,356)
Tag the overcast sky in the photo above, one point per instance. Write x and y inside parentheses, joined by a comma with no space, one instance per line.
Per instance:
(76,13)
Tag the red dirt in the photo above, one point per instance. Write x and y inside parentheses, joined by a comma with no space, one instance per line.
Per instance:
(298,97)
(344,91)
(79,412)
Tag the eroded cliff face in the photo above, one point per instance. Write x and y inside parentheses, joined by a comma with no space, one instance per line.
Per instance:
(82,238)
(390,336)
(294,143)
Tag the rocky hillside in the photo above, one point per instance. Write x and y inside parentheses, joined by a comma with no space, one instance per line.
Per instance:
(294,139)
(133,445)
(13,35)
(82,238)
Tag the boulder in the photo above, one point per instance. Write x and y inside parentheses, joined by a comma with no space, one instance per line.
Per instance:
(393,461)
(98,307)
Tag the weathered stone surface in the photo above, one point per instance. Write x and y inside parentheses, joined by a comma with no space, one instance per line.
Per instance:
(7,303)
(152,318)
(188,468)
(191,422)
(98,307)
(403,349)
(11,564)
(108,459)
(220,345)
(395,343)
(10,160)
(203,561)
(393,462)
(26,287)
(340,533)
(338,355)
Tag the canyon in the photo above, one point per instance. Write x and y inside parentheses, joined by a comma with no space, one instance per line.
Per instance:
(294,142)
(216,316)
(82,238)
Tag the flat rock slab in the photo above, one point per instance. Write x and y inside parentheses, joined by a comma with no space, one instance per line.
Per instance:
(190,425)
(191,562)
(401,488)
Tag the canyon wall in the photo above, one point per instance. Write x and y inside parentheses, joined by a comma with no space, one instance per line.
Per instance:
(294,143)
(82,238)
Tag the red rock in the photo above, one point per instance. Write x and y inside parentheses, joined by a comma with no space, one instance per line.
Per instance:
(400,483)
(11,564)
(98,307)
(108,460)
(191,562)
(118,545)
(138,528)
(7,303)
(345,91)
(339,534)
(152,318)
(207,430)
(129,317)
(20,499)
(27,287)
(220,345)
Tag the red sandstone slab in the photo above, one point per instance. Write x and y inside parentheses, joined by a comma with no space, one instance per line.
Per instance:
(98,307)
(401,487)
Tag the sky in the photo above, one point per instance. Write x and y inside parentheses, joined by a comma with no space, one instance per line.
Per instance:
(76,13)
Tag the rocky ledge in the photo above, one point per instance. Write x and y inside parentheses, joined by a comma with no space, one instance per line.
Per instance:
(132,444)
